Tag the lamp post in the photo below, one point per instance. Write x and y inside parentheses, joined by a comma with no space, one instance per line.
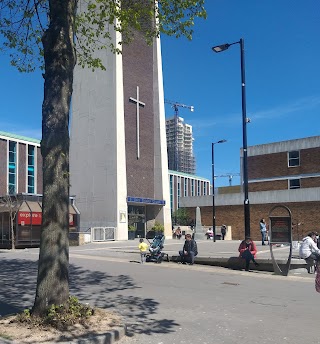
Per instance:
(213,206)
(245,120)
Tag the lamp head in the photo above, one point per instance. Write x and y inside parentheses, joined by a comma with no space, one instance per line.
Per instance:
(222,141)
(222,47)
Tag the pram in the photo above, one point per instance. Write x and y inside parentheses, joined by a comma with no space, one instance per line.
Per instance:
(156,255)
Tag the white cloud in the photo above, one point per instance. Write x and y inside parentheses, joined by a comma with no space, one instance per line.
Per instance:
(301,104)
(283,110)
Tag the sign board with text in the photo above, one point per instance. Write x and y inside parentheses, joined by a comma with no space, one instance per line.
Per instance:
(26,218)
(280,229)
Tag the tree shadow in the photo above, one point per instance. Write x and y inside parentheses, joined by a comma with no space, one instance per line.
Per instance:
(107,291)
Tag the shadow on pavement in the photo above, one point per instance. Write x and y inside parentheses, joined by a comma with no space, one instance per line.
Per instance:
(102,290)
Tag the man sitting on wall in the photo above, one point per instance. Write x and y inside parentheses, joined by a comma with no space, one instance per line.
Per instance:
(189,250)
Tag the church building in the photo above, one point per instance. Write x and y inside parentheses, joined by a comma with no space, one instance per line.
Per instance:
(118,153)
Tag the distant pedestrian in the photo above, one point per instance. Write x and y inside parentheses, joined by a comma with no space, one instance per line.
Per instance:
(209,233)
(223,231)
(263,230)
(143,247)
(248,251)
(178,233)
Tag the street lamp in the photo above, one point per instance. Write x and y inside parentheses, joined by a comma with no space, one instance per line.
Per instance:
(245,120)
(213,207)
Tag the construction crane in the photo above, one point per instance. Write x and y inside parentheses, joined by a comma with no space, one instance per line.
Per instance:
(174,153)
(229,175)
(176,106)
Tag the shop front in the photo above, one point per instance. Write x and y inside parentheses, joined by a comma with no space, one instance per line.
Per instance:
(25,214)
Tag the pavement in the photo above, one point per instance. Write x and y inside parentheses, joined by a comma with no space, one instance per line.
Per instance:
(173,303)
(223,253)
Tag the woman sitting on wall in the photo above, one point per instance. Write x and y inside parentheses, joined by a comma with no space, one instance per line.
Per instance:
(248,251)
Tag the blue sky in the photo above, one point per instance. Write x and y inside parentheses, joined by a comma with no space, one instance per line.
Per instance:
(282,54)
(282,60)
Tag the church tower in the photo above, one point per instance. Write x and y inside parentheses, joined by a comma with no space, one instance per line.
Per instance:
(118,155)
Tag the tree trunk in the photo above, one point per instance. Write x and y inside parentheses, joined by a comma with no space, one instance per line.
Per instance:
(59,56)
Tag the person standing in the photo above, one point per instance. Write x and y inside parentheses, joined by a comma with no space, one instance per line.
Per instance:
(223,231)
(248,251)
(189,250)
(143,247)
(263,230)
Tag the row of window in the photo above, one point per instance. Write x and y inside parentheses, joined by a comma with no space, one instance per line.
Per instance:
(13,169)
(195,189)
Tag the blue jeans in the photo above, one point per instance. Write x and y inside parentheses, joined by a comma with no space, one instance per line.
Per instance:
(247,255)
(189,258)
(263,237)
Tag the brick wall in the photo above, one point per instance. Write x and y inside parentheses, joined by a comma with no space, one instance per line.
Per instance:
(307,213)
(267,186)
(276,164)
(310,182)
(138,71)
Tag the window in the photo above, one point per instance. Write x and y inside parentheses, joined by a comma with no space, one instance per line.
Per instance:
(12,170)
(185,187)
(192,187)
(204,188)
(198,188)
(294,183)
(293,158)
(179,191)
(171,192)
(30,169)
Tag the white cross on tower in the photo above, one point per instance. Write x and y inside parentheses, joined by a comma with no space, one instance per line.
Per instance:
(139,103)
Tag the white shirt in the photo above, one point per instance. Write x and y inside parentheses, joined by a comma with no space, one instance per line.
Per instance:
(308,246)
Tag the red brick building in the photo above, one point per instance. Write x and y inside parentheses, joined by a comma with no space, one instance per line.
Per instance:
(286,173)
(284,165)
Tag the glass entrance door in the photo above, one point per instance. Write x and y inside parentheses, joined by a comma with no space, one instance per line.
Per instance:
(137,218)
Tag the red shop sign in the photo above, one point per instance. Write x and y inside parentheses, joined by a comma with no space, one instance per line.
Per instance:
(24,218)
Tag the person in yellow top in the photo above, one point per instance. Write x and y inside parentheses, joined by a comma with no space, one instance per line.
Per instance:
(143,247)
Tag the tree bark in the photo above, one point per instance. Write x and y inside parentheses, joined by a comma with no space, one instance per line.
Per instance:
(59,56)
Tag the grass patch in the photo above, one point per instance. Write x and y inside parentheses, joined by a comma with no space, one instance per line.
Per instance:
(59,316)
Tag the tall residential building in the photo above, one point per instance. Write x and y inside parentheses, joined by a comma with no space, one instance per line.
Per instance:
(180,146)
